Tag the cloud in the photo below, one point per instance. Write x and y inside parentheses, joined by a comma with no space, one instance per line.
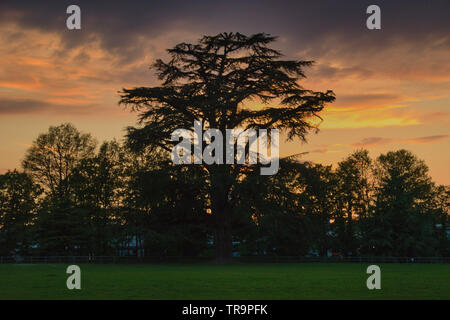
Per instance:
(328,71)
(318,151)
(307,26)
(368,99)
(371,141)
(426,140)
(323,151)
(362,116)
(27,106)
(21,106)
(118,41)
(374,141)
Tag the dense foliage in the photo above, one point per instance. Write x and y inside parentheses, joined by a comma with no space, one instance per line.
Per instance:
(80,200)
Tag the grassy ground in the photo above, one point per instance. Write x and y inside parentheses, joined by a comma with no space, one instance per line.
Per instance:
(240,281)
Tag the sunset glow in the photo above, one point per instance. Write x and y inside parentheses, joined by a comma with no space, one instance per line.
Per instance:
(391,92)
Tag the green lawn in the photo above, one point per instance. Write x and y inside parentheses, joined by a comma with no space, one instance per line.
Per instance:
(238,281)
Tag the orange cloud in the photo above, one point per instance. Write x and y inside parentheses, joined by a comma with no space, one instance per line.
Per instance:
(374,141)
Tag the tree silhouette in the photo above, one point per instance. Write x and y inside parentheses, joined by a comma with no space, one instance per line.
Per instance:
(53,155)
(353,196)
(404,223)
(18,196)
(211,81)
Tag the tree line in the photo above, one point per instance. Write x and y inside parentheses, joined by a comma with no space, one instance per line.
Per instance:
(129,198)
(75,199)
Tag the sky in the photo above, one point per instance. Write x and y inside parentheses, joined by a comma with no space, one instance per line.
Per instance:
(392,85)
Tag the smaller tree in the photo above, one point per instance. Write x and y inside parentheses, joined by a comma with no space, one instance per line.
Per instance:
(318,202)
(439,207)
(98,186)
(354,196)
(18,196)
(53,155)
(50,161)
(402,224)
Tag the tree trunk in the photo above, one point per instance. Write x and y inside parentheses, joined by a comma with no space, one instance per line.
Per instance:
(221,210)
(223,239)
(349,245)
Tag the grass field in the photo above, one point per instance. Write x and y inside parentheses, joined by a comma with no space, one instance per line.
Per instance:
(240,281)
